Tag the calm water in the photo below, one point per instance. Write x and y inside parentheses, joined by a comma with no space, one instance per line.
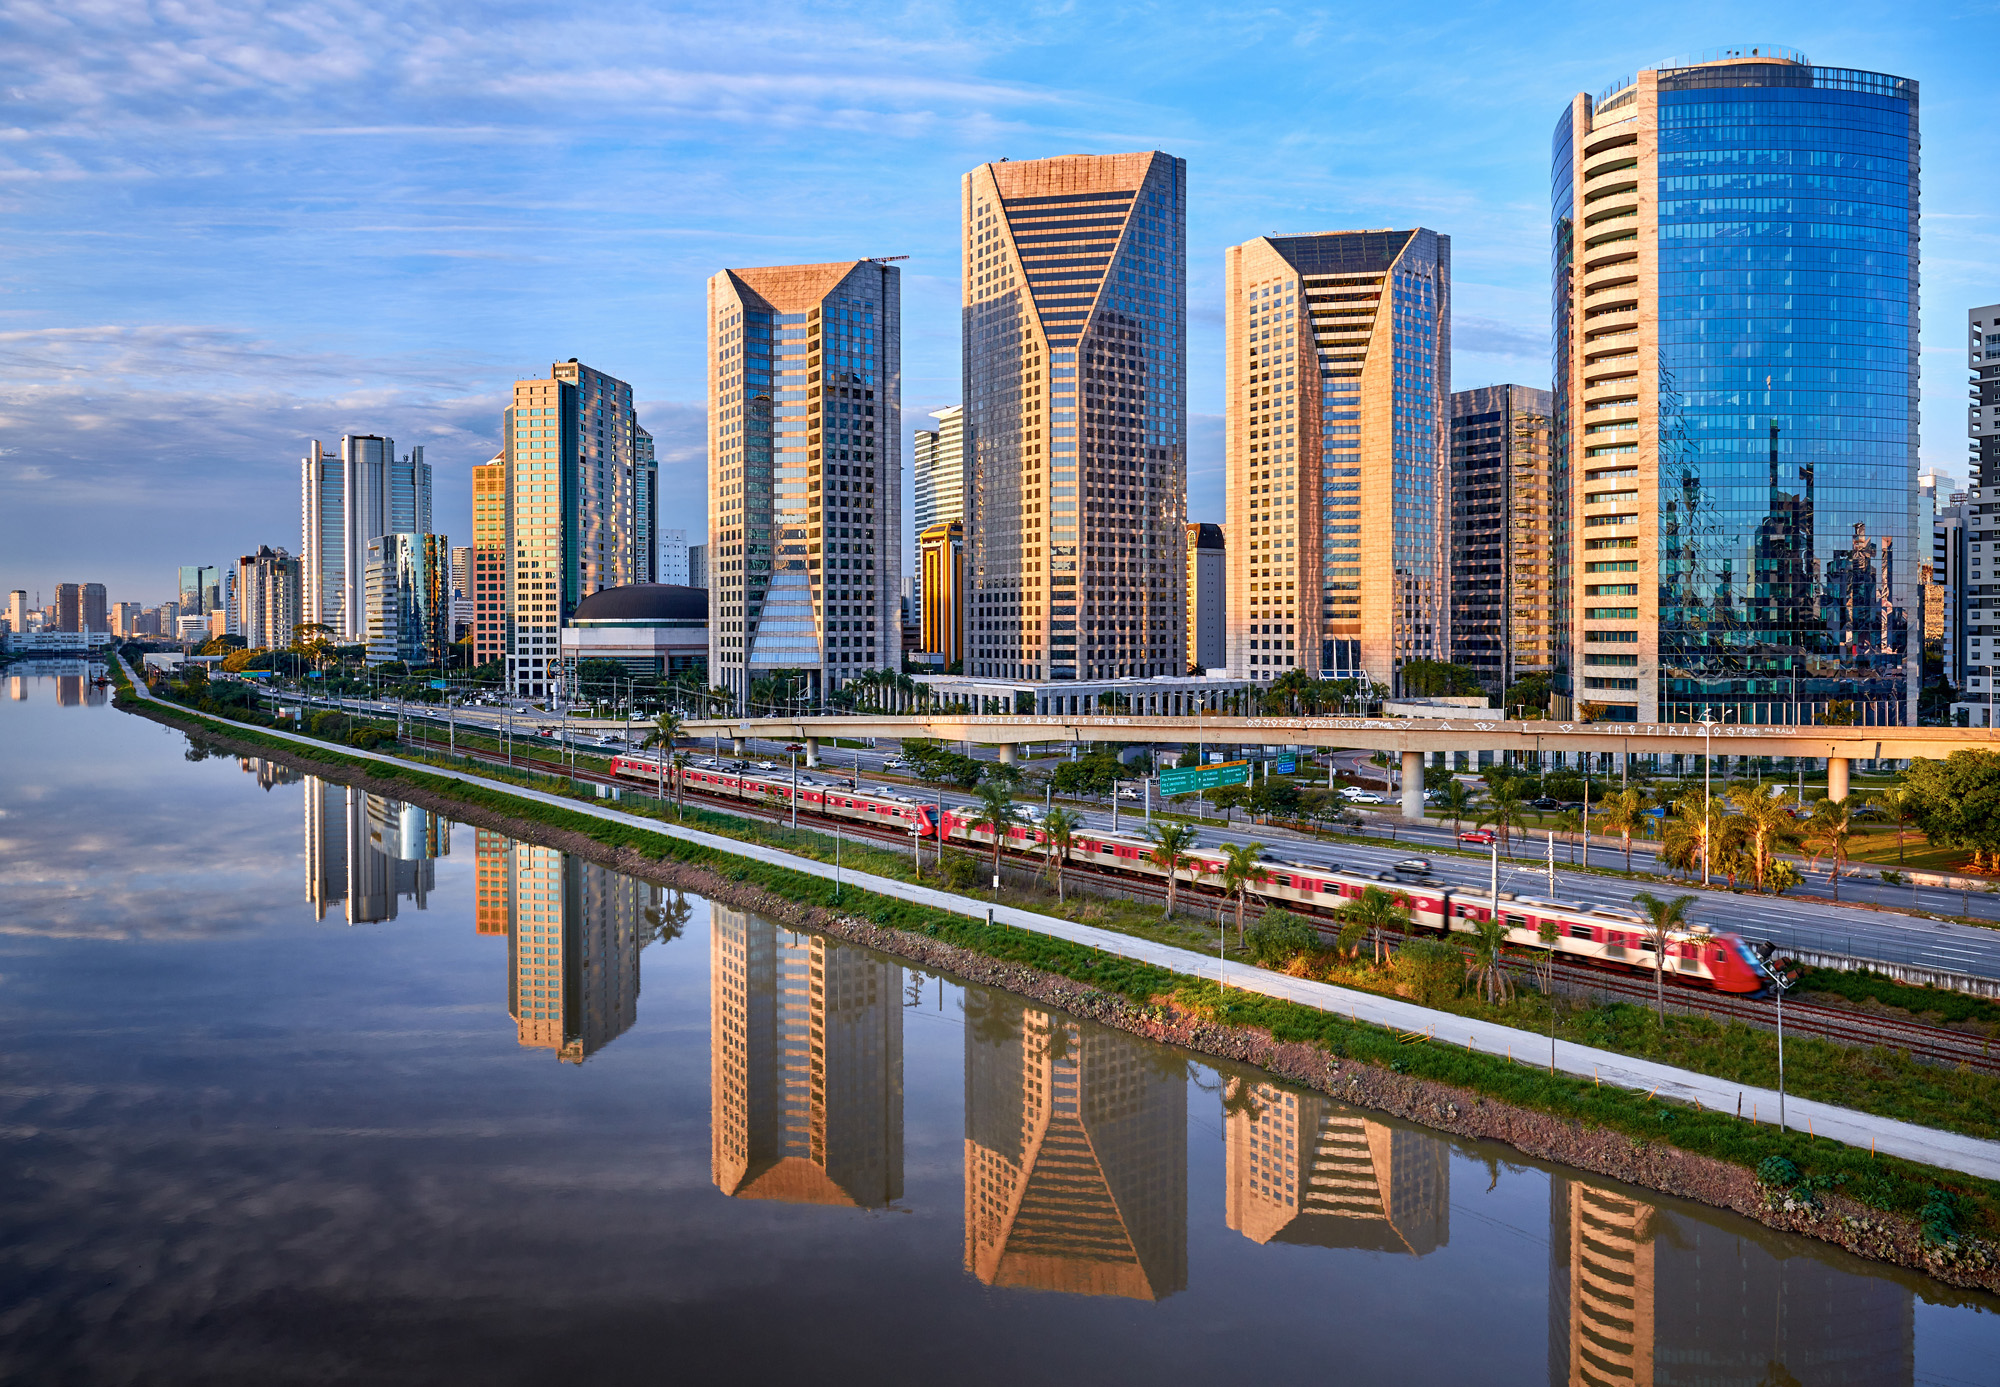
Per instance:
(306,1086)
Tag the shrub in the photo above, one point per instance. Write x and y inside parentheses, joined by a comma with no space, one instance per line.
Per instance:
(1430,971)
(1778,1173)
(1280,935)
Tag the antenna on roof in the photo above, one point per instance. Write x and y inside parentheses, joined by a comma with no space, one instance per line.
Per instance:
(885,259)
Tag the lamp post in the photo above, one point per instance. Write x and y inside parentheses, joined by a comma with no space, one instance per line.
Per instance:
(1780,982)
(1707,765)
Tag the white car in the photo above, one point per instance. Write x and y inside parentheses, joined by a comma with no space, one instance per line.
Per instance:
(1357,796)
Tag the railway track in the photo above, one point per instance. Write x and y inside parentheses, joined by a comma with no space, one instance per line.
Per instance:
(1930,1044)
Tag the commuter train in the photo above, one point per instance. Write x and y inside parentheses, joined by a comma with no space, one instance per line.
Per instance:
(1606,938)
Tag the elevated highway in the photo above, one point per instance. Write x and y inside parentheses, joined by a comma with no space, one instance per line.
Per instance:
(1407,738)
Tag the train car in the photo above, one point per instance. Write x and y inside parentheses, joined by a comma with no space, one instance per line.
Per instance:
(819,798)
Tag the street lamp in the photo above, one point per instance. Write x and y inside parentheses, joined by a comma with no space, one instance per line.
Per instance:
(1780,982)
(1708,725)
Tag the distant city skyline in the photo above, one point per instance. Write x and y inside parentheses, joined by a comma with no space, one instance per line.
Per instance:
(150,310)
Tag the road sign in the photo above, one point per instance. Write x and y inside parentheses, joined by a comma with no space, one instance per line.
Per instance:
(440,683)
(1194,778)
(1287,765)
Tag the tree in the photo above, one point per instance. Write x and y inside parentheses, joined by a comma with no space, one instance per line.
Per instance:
(1280,936)
(223,645)
(1531,692)
(1662,919)
(1569,823)
(1768,824)
(1059,828)
(1899,802)
(1956,801)
(1487,966)
(1840,713)
(1827,834)
(1377,911)
(1241,869)
(996,811)
(1171,842)
(1455,803)
(1625,814)
(1506,809)
(666,732)
(1437,679)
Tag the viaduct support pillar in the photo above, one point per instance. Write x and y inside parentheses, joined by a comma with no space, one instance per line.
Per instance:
(1413,785)
(1010,755)
(1836,777)
(812,751)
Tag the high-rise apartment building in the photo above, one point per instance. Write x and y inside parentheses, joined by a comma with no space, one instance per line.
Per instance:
(1207,597)
(697,566)
(1075,388)
(941,592)
(645,509)
(1720,449)
(81,607)
(1502,496)
(269,598)
(489,560)
(939,469)
(570,472)
(673,557)
(347,500)
(125,618)
(408,599)
(17,611)
(1339,377)
(805,476)
(806,1066)
(1983,413)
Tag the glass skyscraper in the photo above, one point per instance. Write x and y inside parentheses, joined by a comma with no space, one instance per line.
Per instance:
(1735,317)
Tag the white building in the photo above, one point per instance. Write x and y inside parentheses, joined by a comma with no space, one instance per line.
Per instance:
(347,500)
(673,557)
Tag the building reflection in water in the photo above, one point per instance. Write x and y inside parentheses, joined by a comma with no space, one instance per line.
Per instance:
(574,933)
(1643,1296)
(493,904)
(1075,1155)
(369,852)
(806,1061)
(1301,1168)
(270,774)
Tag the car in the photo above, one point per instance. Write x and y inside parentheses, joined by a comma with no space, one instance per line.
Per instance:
(765,766)
(1128,792)
(893,763)
(1412,866)
(1481,836)
(1545,802)
(1364,797)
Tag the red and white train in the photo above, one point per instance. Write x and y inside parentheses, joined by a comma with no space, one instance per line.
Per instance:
(1603,937)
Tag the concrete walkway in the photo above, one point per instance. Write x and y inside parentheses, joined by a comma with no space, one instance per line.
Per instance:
(1969,1155)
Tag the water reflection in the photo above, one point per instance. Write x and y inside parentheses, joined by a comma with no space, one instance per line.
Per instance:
(1075,1155)
(270,774)
(77,681)
(806,1066)
(574,934)
(1304,1169)
(369,852)
(1642,1295)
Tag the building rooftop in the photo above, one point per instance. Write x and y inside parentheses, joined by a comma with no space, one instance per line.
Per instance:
(643,602)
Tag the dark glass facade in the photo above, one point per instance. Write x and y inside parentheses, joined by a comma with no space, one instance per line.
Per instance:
(1787,205)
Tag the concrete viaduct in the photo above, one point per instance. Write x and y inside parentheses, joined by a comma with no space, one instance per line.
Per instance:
(1410,738)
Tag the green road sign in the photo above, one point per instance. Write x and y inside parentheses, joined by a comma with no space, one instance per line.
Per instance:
(1195,778)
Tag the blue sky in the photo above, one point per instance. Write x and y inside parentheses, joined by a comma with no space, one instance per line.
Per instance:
(229,228)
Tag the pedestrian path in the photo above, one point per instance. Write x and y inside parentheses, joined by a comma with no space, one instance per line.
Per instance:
(1969,1155)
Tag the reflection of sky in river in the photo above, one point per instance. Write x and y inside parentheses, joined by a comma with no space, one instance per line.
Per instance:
(246,1144)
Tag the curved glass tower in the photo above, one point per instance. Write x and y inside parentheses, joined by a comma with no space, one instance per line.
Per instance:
(1735,321)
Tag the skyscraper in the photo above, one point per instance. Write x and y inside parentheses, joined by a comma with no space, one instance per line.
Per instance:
(1503,534)
(806,1066)
(17,611)
(461,592)
(939,461)
(269,596)
(572,522)
(1339,371)
(489,560)
(1736,390)
(805,475)
(345,502)
(1207,597)
(941,592)
(81,607)
(200,589)
(673,562)
(645,509)
(697,566)
(1075,387)
(1983,413)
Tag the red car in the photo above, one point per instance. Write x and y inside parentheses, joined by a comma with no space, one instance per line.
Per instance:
(1481,836)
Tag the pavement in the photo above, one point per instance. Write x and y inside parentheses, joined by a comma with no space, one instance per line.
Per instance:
(1969,1155)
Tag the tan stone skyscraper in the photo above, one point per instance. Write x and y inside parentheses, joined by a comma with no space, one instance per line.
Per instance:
(805,477)
(1339,372)
(1074,342)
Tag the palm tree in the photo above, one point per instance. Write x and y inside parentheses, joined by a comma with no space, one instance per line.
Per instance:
(1625,814)
(1059,827)
(1899,801)
(666,732)
(1663,918)
(1377,911)
(1241,869)
(996,811)
(1506,809)
(1171,842)
(1827,833)
(1768,824)
(1569,823)
(1487,966)
(1455,803)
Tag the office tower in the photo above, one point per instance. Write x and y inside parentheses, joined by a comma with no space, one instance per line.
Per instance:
(408,602)
(1983,414)
(368,853)
(673,560)
(200,588)
(96,609)
(125,618)
(697,566)
(1721,444)
(345,501)
(805,475)
(461,593)
(1075,1155)
(1302,1169)
(645,508)
(568,472)
(1075,387)
(1338,363)
(321,547)
(941,591)
(1207,597)
(1643,1294)
(68,610)
(489,560)
(1502,570)
(17,611)
(806,1066)
(574,932)
(938,456)
(269,598)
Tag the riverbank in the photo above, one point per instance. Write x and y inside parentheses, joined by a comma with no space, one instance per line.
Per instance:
(1883,1207)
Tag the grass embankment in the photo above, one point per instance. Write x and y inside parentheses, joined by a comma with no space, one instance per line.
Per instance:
(1787,1161)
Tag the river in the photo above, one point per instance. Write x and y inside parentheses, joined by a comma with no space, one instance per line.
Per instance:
(306,1085)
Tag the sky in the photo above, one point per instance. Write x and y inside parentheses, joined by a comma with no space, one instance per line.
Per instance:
(227,229)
